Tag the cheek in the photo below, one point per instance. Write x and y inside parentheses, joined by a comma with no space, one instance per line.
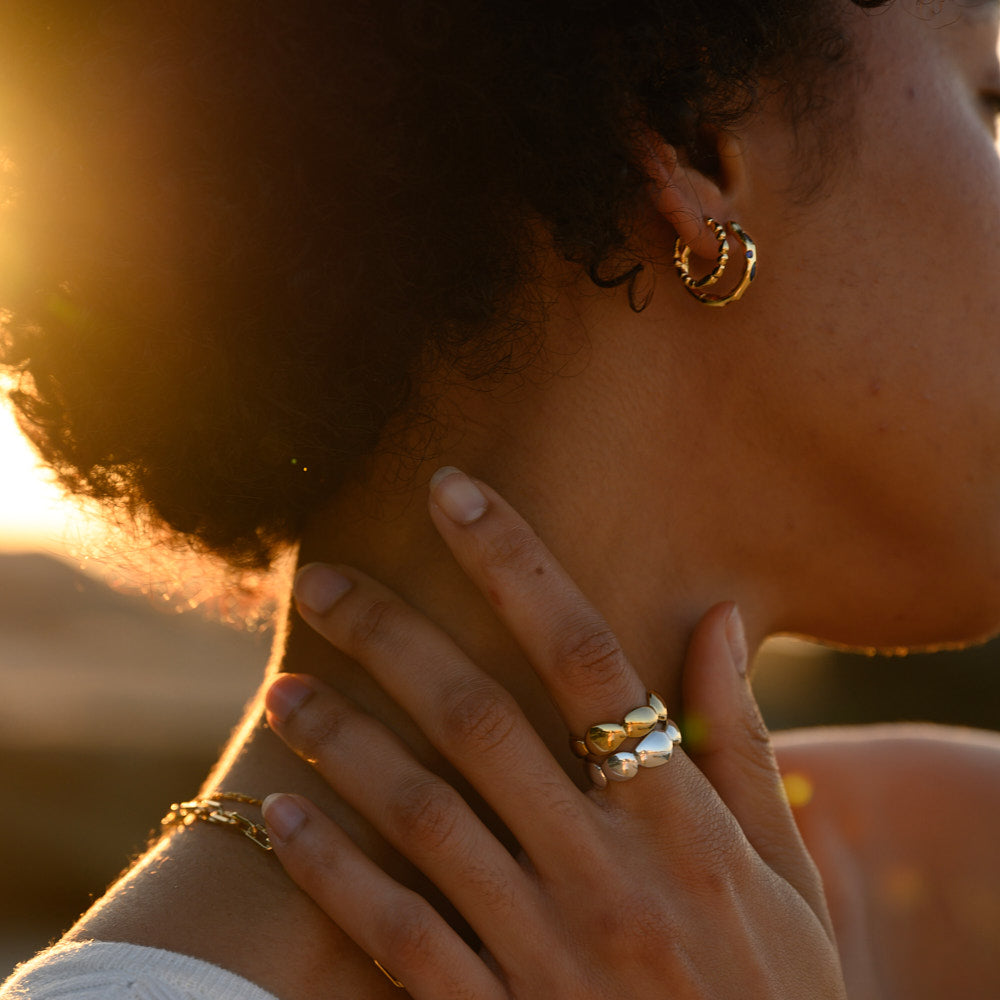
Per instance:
(908,313)
(892,435)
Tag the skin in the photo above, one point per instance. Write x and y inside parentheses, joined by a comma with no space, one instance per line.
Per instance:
(892,875)
(822,452)
(638,918)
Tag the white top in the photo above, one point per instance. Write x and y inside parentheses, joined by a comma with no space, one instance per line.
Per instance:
(105,970)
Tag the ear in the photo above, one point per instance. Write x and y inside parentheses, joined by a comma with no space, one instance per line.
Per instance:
(683,195)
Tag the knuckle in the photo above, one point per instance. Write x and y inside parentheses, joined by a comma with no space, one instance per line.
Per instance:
(478,717)
(587,654)
(492,889)
(427,814)
(373,624)
(755,754)
(718,874)
(715,864)
(316,734)
(759,741)
(512,548)
(410,933)
(569,809)
(640,929)
(745,744)
(650,923)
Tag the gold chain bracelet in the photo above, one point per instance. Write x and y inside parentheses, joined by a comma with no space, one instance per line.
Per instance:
(210,810)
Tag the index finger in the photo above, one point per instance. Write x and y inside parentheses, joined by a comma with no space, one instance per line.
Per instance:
(571,647)
(575,652)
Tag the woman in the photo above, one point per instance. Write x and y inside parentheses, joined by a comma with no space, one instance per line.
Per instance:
(282,263)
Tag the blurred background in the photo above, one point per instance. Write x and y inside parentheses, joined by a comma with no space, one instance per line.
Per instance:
(117,690)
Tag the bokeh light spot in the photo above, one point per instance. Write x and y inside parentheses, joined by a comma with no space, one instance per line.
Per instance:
(798,789)
(696,731)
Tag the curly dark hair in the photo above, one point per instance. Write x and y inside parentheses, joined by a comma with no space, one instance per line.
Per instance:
(236,232)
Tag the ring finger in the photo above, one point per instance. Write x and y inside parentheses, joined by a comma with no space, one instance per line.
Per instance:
(414,810)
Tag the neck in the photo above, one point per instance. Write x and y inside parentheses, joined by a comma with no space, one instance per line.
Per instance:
(651,584)
(650,553)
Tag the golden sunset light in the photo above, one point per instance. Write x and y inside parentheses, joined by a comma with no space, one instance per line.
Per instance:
(33,514)
(499,499)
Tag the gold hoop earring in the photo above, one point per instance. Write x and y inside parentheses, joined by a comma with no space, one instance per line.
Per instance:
(682,256)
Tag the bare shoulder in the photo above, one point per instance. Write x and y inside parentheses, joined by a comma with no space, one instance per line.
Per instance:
(913,758)
(919,736)
(904,822)
(938,784)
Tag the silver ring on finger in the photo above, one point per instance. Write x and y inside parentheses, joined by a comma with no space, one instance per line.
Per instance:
(617,751)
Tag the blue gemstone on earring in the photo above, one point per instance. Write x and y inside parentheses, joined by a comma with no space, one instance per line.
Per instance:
(749,254)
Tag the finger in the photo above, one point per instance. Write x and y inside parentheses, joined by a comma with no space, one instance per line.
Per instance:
(387,921)
(423,817)
(571,646)
(465,714)
(728,740)
(575,652)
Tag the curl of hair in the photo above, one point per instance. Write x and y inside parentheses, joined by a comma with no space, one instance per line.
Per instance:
(234,233)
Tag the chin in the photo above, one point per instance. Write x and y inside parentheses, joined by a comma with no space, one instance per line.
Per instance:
(918,619)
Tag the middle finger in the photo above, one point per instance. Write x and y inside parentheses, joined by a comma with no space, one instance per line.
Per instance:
(470,718)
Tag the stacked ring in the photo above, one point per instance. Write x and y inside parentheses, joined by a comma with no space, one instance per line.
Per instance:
(600,746)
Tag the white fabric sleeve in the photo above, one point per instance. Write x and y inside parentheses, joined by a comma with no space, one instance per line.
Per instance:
(105,970)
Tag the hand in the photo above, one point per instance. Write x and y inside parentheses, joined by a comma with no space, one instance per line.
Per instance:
(688,881)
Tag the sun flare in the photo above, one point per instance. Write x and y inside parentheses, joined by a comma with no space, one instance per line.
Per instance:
(33,512)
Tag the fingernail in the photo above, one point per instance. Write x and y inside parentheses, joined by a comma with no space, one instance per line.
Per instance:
(318,587)
(286,695)
(283,815)
(737,639)
(457,495)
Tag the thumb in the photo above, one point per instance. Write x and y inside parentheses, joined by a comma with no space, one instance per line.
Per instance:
(727,739)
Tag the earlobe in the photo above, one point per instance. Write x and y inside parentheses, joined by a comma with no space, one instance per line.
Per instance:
(683,197)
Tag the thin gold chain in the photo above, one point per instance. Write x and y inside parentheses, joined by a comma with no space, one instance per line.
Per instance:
(209,809)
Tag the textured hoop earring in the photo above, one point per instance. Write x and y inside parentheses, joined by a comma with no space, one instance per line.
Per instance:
(682,256)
